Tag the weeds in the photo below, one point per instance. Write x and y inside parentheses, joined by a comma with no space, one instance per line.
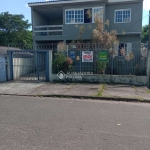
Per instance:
(100,92)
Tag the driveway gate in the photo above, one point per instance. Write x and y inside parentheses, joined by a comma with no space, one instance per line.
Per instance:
(29,65)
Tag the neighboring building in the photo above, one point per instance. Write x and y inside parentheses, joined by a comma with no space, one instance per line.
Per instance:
(3,50)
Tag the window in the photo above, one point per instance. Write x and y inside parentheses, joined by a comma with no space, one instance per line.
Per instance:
(123,16)
(74,16)
(97,12)
(69,16)
(78,16)
(88,15)
(124,49)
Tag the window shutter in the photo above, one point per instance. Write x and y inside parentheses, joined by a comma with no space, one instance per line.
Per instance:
(116,50)
(129,48)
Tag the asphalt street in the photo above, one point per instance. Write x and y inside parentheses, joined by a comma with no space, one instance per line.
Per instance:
(37,123)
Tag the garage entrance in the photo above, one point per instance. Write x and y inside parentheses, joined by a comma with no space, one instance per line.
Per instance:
(29,65)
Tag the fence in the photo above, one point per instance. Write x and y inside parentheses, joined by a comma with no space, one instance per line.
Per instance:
(95,59)
(92,58)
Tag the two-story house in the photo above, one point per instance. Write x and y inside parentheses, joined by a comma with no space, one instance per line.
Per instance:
(57,20)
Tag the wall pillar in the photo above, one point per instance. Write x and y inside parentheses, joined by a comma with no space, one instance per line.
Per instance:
(10,65)
(50,65)
(148,70)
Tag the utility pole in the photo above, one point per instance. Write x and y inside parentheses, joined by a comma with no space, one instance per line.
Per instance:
(148,60)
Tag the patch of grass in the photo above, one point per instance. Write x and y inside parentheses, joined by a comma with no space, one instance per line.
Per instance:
(136,97)
(148,91)
(128,97)
(102,88)
(38,96)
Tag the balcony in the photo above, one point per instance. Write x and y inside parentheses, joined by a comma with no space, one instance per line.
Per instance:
(48,30)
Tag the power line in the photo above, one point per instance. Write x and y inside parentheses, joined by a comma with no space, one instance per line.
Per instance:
(136,22)
(132,14)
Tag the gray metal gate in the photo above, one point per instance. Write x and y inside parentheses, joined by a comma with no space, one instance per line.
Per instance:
(29,65)
(2,68)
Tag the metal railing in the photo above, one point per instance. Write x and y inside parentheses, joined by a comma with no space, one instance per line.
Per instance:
(131,62)
(48,30)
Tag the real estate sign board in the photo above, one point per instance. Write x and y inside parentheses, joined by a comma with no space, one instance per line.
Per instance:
(103,56)
(87,56)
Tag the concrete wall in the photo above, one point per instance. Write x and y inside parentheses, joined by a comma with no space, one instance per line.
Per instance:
(136,15)
(38,19)
(56,21)
(116,79)
(148,70)
(129,38)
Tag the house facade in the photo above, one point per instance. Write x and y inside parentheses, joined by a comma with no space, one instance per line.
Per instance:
(55,21)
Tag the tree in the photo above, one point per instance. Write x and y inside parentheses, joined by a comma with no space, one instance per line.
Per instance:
(104,40)
(100,35)
(145,33)
(14,29)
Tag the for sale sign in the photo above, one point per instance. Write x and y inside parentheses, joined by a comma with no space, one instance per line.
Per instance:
(87,56)
(103,56)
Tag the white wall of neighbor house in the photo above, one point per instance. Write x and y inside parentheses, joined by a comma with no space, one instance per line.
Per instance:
(22,66)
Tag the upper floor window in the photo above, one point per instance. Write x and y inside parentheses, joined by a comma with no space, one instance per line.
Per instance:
(74,16)
(123,16)
(79,16)
(97,12)
(70,16)
(85,15)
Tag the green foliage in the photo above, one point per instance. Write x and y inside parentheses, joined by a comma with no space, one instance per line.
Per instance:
(101,66)
(102,88)
(14,29)
(145,34)
(62,63)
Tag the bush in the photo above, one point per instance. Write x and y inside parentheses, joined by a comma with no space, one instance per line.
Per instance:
(62,63)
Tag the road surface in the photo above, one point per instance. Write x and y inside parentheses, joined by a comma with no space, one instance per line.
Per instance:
(34,123)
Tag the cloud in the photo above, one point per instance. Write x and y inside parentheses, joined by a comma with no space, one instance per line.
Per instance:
(146,4)
(46,0)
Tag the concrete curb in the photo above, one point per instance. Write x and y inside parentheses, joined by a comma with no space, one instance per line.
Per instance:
(123,99)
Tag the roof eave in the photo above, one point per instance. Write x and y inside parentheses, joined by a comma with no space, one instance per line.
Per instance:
(60,2)
(77,1)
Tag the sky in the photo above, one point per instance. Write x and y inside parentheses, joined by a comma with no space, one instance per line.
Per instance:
(21,7)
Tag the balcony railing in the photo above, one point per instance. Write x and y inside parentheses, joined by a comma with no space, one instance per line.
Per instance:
(48,30)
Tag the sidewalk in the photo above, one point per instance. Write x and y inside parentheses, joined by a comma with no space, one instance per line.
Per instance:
(94,91)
